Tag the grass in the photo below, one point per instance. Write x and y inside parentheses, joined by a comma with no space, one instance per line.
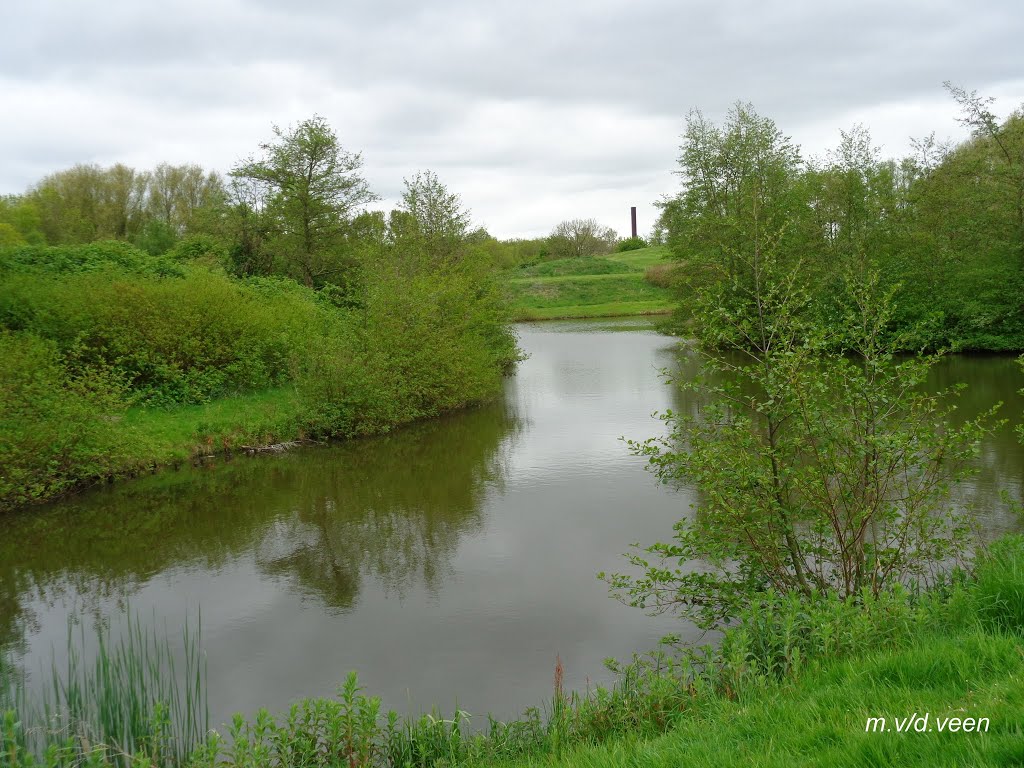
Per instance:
(608,309)
(185,432)
(609,286)
(581,266)
(642,258)
(821,718)
(152,437)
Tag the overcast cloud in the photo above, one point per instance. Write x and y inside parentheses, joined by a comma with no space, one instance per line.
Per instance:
(534,112)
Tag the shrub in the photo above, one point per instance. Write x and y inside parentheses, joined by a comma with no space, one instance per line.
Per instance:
(90,257)
(631,244)
(171,339)
(57,429)
(662,275)
(821,466)
(426,339)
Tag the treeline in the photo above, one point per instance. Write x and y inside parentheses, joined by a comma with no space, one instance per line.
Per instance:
(150,209)
(364,320)
(944,227)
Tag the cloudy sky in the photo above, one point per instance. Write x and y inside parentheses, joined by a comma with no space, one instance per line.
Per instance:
(534,112)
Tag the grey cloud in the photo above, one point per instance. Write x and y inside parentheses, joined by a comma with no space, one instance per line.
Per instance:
(555,95)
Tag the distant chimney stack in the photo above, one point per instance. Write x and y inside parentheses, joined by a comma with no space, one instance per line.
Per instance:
(632,216)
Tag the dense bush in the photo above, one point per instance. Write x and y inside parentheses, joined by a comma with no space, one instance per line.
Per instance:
(175,339)
(90,257)
(631,244)
(426,340)
(56,429)
(104,324)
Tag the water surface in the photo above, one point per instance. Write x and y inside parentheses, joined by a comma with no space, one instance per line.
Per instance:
(449,563)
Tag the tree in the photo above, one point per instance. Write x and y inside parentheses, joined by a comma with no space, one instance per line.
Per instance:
(176,194)
(1005,166)
(87,203)
(964,262)
(819,463)
(821,466)
(310,188)
(741,199)
(440,222)
(576,238)
(19,218)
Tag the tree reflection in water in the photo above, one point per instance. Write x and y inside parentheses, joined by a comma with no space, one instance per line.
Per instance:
(320,519)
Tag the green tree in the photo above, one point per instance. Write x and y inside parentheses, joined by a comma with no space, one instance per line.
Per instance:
(576,238)
(855,204)
(741,200)
(963,263)
(177,195)
(22,216)
(308,188)
(1005,153)
(819,464)
(437,215)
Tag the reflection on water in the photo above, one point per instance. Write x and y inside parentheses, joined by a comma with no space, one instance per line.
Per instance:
(316,520)
(448,562)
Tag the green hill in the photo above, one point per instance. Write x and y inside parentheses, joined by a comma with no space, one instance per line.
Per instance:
(596,286)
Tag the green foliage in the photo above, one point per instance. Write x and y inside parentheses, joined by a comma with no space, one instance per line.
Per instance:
(631,244)
(820,465)
(40,261)
(87,203)
(58,428)
(9,236)
(155,237)
(428,338)
(740,199)
(412,330)
(517,252)
(170,339)
(302,193)
(199,248)
(19,219)
(439,224)
(944,229)
(577,238)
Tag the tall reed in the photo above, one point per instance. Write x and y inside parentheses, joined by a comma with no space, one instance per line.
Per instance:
(126,701)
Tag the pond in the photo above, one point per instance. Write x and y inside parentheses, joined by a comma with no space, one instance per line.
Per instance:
(448,563)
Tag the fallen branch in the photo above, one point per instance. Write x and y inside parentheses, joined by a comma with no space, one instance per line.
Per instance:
(272,448)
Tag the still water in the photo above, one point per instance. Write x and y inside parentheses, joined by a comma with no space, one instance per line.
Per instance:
(449,563)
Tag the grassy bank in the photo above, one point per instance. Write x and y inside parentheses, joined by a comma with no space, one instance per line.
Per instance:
(792,683)
(608,286)
(822,718)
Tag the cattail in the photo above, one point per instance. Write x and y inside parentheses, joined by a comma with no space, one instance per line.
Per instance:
(559,676)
